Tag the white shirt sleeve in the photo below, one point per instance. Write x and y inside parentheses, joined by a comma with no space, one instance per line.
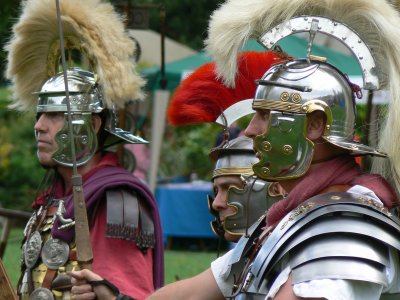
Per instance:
(359,189)
(221,269)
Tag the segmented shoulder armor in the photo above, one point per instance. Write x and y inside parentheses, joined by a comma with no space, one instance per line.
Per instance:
(336,235)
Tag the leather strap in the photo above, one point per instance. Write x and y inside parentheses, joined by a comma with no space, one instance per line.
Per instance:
(128,218)
(28,271)
(146,235)
(29,280)
(48,278)
(112,287)
(72,255)
(51,211)
(122,214)
(131,209)
(250,255)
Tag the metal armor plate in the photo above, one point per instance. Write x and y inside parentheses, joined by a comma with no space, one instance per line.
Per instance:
(324,238)
(32,249)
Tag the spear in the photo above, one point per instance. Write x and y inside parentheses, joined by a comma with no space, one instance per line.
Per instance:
(82,235)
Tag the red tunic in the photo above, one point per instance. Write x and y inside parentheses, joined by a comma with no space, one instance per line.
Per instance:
(118,260)
(121,261)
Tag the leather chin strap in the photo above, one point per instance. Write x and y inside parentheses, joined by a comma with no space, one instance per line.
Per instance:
(112,287)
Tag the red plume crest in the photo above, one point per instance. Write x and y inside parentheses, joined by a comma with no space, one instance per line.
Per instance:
(201,97)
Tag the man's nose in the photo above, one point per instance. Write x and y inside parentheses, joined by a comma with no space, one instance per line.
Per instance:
(40,124)
(252,130)
(219,202)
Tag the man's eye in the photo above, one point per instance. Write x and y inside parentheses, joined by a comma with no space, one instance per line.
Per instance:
(263,113)
(54,114)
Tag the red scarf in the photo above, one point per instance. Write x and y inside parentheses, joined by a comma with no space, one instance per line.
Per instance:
(108,159)
(338,171)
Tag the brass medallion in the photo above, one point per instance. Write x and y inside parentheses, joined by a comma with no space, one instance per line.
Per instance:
(41,294)
(55,253)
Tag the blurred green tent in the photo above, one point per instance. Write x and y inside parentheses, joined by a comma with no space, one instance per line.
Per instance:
(293,45)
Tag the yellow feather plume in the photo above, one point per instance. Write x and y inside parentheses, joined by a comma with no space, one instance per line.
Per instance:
(89,26)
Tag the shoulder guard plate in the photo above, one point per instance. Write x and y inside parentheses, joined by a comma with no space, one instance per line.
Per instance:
(128,218)
(333,235)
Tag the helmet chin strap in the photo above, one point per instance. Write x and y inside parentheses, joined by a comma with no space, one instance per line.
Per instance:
(333,151)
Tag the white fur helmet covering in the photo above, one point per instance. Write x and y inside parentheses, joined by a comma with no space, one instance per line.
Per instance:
(91,27)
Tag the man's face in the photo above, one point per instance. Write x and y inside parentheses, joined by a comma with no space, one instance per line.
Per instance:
(221,186)
(46,127)
(258,124)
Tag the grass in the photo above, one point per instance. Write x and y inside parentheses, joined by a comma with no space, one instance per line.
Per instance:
(12,255)
(184,264)
(179,264)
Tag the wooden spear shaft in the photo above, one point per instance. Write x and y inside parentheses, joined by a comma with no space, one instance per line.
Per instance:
(82,235)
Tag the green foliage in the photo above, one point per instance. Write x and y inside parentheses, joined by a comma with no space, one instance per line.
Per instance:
(186,20)
(360,120)
(20,172)
(185,150)
(8,13)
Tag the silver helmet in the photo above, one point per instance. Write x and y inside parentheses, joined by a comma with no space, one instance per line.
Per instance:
(85,97)
(251,201)
(291,91)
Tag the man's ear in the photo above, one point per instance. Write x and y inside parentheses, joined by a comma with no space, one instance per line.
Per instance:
(96,122)
(316,125)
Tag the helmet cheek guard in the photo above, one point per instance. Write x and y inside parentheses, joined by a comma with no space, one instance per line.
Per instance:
(216,224)
(236,223)
(85,139)
(281,152)
(250,203)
